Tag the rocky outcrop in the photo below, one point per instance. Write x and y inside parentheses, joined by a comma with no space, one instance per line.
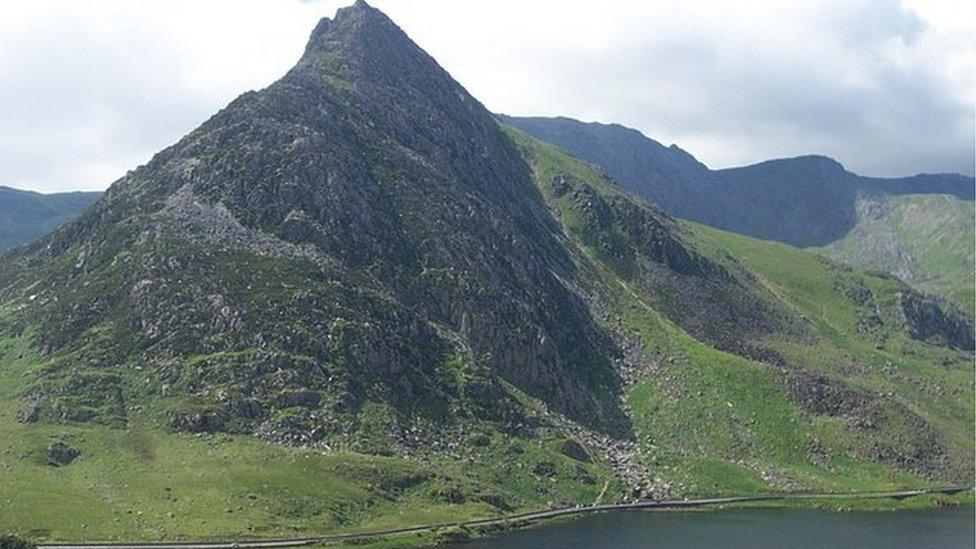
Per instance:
(822,395)
(198,422)
(61,454)
(927,320)
(645,246)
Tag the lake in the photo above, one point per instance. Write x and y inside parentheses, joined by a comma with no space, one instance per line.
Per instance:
(747,529)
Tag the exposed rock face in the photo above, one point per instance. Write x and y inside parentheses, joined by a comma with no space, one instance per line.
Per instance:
(576,451)
(198,422)
(923,239)
(926,319)
(12,541)
(644,245)
(819,394)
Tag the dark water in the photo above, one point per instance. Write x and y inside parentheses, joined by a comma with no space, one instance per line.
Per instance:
(748,528)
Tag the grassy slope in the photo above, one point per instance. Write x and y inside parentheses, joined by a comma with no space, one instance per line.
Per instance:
(708,422)
(925,239)
(146,482)
(712,422)
(935,382)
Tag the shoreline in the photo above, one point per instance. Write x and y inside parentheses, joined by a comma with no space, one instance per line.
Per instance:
(524,519)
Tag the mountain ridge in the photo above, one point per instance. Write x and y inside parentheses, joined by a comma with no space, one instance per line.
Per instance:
(805,201)
(546,128)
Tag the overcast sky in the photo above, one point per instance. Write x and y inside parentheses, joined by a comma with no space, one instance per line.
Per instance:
(90,89)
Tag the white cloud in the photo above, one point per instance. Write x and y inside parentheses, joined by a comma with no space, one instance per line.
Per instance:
(90,89)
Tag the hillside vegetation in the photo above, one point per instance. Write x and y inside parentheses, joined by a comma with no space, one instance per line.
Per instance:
(926,240)
(817,402)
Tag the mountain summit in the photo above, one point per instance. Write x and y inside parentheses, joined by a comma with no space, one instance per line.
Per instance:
(345,234)
(439,315)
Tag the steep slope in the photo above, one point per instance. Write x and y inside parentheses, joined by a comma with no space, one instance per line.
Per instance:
(351,300)
(26,215)
(923,239)
(804,201)
(371,223)
(853,370)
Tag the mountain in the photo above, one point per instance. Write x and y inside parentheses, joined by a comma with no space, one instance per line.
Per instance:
(808,201)
(668,176)
(26,215)
(811,200)
(803,201)
(924,239)
(353,301)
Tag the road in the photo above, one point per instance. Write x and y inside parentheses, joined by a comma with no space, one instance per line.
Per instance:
(503,521)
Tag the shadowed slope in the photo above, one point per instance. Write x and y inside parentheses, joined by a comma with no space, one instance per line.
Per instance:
(26,215)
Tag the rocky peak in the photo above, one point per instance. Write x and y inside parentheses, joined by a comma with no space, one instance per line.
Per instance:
(362,35)
(360,63)
(369,167)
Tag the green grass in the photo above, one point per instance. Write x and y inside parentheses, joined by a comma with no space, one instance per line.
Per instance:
(710,422)
(925,239)
(715,423)
(146,482)
(934,382)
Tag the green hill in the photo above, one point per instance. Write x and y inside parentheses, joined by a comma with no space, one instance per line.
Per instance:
(352,301)
(926,240)
(760,411)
